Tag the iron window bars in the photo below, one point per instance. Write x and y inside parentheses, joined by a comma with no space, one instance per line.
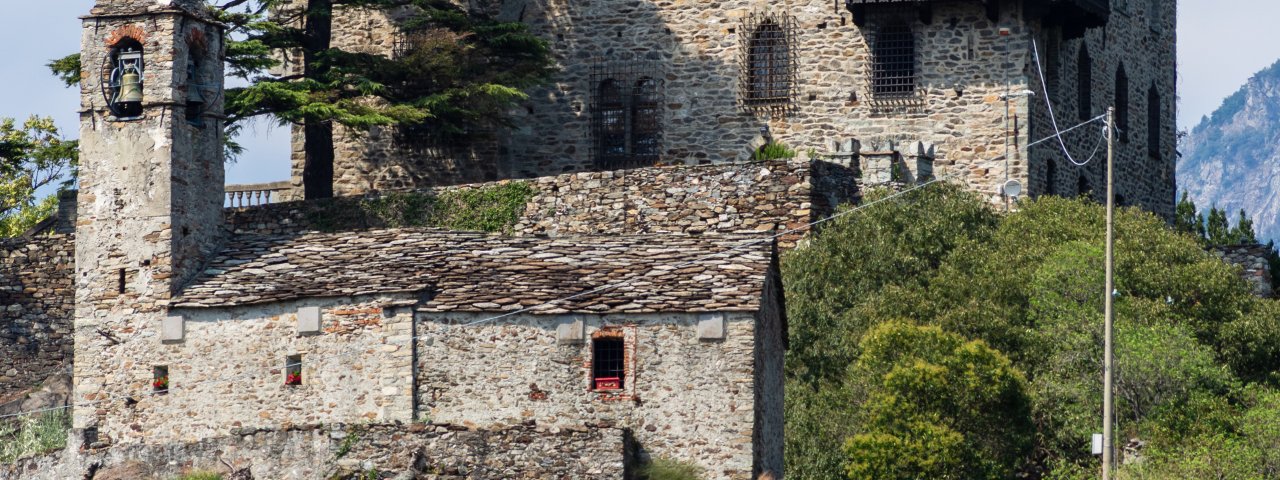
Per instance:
(893,61)
(608,363)
(769,62)
(626,116)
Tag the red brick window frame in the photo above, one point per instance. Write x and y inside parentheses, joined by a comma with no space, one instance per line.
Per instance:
(611,365)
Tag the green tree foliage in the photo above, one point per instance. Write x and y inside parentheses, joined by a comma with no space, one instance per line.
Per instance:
(33,156)
(456,72)
(1217,228)
(1187,219)
(937,407)
(1030,286)
(1242,233)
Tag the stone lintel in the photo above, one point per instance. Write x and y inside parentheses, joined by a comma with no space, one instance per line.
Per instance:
(173,329)
(711,326)
(571,331)
(308,321)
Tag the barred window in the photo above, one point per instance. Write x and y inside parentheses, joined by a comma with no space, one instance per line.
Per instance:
(1084,84)
(893,61)
(626,119)
(1122,104)
(769,64)
(645,114)
(608,363)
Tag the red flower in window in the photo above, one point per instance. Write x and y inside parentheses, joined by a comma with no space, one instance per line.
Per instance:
(293,378)
(161,383)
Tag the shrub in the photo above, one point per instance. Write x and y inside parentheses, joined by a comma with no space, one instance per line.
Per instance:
(773,151)
(34,435)
(669,469)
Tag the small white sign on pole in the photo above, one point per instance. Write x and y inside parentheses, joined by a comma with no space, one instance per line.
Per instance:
(1097,444)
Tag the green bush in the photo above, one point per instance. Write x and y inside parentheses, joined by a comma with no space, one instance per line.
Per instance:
(773,151)
(34,435)
(1029,284)
(937,406)
(668,469)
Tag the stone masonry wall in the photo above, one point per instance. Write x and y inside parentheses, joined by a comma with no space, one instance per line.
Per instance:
(443,452)
(229,372)
(36,307)
(1140,37)
(695,49)
(683,398)
(747,197)
(1254,267)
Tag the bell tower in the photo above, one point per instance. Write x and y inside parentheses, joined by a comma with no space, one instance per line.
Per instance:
(151,180)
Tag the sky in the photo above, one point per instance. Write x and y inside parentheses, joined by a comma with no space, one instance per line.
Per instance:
(1220,45)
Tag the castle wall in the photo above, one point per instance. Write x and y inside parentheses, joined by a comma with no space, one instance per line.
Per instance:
(749,197)
(1254,267)
(36,305)
(684,398)
(696,51)
(308,452)
(1145,45)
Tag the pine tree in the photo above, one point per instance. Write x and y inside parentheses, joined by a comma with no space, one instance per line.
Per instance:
(1185,217)
(1242,233)
(1218,228)
(458,72)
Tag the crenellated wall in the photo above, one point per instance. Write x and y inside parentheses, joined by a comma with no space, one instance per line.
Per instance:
(36,310)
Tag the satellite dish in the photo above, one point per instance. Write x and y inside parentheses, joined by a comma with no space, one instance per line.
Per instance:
(1012,188)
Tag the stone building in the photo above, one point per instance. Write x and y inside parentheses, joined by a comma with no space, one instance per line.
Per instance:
(660,334)
(931,87)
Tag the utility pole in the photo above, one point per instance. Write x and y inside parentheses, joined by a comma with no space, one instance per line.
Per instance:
(1108,450)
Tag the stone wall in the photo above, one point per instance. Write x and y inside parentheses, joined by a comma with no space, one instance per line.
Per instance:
(684,398)
(438,451)
(228,371)
(36,307)
(1142,41)
(149,210)
(1254,267)
(744,197)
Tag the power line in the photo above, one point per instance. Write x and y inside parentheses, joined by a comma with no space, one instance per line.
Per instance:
(1053,118)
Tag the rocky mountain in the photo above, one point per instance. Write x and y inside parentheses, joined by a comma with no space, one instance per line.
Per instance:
(1232,157)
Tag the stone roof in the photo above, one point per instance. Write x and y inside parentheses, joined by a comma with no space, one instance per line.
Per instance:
(473,272)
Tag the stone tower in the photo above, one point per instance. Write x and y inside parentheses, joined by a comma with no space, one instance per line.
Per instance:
(151,184)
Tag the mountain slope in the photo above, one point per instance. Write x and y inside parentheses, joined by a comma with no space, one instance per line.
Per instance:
(1232,158)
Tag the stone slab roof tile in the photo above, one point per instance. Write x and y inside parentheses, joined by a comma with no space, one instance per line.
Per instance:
(472,272)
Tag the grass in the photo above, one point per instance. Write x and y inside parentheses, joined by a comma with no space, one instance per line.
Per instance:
(200,475)
(491,208)
(34,435)
(668,469)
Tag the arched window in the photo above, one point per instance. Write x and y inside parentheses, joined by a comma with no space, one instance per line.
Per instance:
(645,121)
(769,67)
(1122,104)
(611,112)
(123,86)
(1084,83)
(626,120)
(893,61)
(1154,124)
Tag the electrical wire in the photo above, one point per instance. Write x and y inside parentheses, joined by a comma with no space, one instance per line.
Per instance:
(1044,87)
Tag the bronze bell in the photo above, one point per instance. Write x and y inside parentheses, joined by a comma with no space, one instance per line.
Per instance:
(130,88)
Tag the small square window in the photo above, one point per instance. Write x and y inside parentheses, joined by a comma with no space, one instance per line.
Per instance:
(160,379)
(293,370)
(608,363)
